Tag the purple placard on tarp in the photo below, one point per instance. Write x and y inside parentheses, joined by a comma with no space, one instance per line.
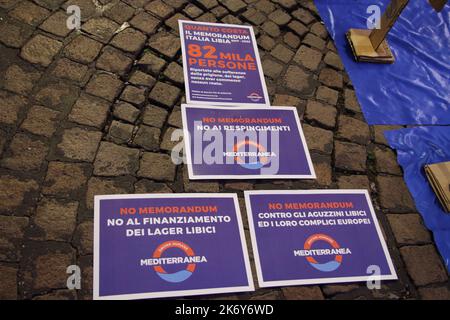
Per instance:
(245,143)
(315,237)
(222,65)
(168,245)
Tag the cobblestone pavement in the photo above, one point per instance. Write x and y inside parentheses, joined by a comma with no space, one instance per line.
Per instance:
(92,111)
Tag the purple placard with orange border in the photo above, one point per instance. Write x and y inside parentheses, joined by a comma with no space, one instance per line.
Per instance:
(169,245)
(245,143)
(316,237)
(222,65)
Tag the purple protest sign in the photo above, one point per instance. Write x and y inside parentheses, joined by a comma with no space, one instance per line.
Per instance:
(168,245)
(243,143)
(315,237)
(221,65)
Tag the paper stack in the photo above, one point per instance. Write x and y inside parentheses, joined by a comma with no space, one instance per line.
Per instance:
(363,49)
(438,175)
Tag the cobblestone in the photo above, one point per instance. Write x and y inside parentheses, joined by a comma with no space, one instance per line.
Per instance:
(114,160)
(8,283)
(79,144)
(154,116)
(83,49)
(29,13)
(105,86)
(157,167)
(148,138)
(164,94)
(20,80)
(46,270)
(394,194)
(41,121)
(89,111)
(408,229)
(386,161)
(314,41)
(145,22)
(351,102)
(114,61)
(327,95)
(129,40)
(57,95)
(423,264)
(100,28)
(25,153)
(140,78)
(126,112)
(353,182)
(15,192)
(331,78)
(102,186)
(160,9)
(120,12)
(83,237)
(70,70)
(350,156)
(299,81)
(57,219)
(120,133)
(134,95)
(302,293)
(40,50)
(13,230)
(14,34)
(318,139)
(309,58)
(65,179)
(165,43)
(280,17)
(354,130)
(321,113)
(272,68)
(282,53)
(10,107)
(174,72)
(435,293)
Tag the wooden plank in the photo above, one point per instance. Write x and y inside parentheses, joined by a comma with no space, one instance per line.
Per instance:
(388,19)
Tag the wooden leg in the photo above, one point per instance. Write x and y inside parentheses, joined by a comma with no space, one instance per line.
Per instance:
(393,11)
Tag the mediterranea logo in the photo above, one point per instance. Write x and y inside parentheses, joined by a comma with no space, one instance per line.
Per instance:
(260,154)
(332,249)
(188,259)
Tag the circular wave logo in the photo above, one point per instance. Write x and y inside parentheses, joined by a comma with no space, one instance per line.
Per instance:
(178,276)
(263,160)
(327,266)
(255,97)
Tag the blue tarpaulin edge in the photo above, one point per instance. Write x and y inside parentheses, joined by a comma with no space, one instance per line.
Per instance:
(415,148)
(415,89)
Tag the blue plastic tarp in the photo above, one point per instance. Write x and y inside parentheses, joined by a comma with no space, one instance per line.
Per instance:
(413,90)
(417,147)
